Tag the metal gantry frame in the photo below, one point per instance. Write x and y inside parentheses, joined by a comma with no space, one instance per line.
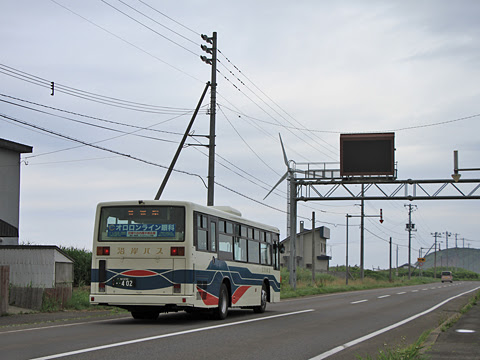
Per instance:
(309,182)
(308,189)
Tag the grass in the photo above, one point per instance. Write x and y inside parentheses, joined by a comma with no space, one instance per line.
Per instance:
(402,351)
(80,301)
(325,284)
(472,301)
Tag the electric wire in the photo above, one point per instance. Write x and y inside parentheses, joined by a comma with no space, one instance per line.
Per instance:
(246,144)
(95,125)
(303,130)
(84,143)
(168,17)
(97,118)
(148,27)
(129,43)
(158,23)
(271,116)
(86,95)
(95,146)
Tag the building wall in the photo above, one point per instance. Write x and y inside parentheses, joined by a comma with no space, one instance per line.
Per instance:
(9,191)
(34,266)
(304,250)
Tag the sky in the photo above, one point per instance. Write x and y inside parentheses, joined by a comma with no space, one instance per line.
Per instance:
(308,70)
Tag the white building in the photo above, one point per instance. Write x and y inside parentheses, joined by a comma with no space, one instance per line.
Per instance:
(303,249)
(10,189)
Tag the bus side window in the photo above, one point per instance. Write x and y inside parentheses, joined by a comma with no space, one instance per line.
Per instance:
(202,232)
(213,236)
(253,252)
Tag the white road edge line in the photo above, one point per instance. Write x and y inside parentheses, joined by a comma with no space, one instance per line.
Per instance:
(63,325)
(385,329)
(123,343)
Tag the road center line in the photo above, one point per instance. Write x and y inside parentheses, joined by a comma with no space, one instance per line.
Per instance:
(358,302)
(401,293)
(123,343)
(385,329)
(383,296)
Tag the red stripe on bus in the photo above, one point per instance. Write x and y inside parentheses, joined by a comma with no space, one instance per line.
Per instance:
(139,273)
(239,293)
(208,299)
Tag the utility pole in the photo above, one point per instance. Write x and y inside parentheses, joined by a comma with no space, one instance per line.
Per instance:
(346,252)
(313,247)
(213,105)
(390,266)
(362,236)
(361,216)
(396,271)
(447,234)
(410,227)
(436,234)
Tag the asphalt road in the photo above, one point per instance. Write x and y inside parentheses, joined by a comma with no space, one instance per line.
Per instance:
(337,326)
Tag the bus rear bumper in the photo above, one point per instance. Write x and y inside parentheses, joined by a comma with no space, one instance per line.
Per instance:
(145,300)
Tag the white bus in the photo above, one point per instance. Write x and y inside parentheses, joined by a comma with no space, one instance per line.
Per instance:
(161,256)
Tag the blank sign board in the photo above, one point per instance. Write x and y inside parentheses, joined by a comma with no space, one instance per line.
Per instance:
(367,154)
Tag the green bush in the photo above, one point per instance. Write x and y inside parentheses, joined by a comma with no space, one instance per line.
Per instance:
(82,265)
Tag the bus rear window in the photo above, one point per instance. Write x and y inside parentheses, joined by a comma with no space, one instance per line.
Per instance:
(142,223)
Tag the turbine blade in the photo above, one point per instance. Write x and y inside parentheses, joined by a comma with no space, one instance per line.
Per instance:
(283,150)
(278,183)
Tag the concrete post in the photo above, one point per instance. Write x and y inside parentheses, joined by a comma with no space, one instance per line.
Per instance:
(4,287)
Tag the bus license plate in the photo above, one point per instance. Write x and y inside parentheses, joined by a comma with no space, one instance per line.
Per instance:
(123,282)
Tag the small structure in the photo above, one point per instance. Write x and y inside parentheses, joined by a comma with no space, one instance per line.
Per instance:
(37,271)
(10,189)
(34,271)
(303,248)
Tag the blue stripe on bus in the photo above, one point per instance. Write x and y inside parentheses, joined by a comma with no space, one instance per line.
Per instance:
(211,278)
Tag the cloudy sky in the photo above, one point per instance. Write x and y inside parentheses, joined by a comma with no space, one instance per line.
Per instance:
(127,75)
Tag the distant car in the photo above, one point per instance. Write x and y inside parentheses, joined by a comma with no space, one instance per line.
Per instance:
(447,276)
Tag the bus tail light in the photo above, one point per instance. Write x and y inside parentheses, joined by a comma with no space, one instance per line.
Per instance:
(177,288)
(103,250)
(177,251)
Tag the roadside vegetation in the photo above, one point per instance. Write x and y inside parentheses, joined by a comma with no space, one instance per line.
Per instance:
(402,351)
(326,283)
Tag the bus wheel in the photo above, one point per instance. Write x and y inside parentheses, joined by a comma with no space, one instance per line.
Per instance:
(222,310)
(141,315)
(263,301)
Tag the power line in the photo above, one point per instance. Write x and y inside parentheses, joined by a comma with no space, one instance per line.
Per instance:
(168,17)
(271,116)
(303,129)
(158,23)
(245,142)
(97,118)
(148,27)
(86,95)
(94,145)
(129,43)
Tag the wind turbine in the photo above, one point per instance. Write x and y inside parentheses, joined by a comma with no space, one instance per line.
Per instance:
(291,212)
